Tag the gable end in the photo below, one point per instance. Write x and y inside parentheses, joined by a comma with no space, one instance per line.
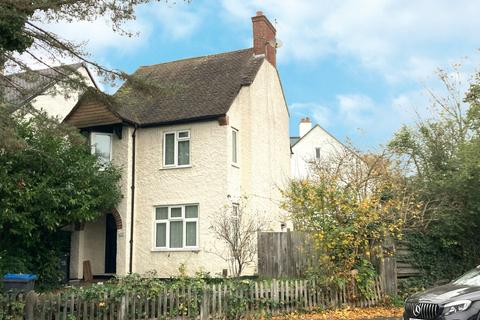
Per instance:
(91,113)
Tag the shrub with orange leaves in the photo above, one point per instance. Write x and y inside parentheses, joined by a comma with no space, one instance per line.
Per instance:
(349,205)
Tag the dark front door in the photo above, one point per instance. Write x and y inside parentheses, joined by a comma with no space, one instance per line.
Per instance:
(110,245)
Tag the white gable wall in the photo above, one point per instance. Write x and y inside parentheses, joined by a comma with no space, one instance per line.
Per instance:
(260,114)
(304,151)
(54,102)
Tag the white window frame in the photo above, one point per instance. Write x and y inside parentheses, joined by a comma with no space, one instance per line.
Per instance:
(177,139)
(167,226)
(92,139)
(235,162)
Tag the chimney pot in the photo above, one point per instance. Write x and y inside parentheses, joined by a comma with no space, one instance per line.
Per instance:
(264,37)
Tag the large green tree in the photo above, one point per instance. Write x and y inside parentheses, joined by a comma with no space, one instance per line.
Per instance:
(23,38)
(48,183)
(442,160)
(48,178)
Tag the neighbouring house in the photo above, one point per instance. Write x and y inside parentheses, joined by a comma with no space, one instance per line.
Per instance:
(47,89)
(214,129)
(313,144)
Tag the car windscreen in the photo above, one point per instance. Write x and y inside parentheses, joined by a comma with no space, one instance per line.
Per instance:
(471,278)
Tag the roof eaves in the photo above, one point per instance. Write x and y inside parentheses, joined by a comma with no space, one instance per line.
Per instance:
(332,136)
(293,145)
(106,101)
(179,121)
(247,80)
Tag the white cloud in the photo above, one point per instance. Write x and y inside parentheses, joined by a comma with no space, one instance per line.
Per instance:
(177,20)
(319,113)
(362,119)
(355,108)
(98,35)
(399,39)
(354,112)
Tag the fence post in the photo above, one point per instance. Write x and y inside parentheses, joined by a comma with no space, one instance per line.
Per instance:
(121,310)
(204,306)
(31,301)
(388,267)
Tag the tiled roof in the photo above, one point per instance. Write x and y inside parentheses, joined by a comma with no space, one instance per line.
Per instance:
(293,140)
(185,90)
(20,88)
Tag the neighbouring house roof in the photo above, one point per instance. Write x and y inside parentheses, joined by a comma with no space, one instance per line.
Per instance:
(20,88)
(184,90)
(293,140)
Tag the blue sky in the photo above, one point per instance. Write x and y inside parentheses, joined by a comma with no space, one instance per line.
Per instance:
(358,68)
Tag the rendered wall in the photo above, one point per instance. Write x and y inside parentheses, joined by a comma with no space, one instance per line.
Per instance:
(304,150)
(58,105)
(89,243)
(203,183)
(261,116)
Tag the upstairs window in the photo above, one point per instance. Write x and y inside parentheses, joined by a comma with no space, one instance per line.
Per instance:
(235,146)
(317,153)
(176,149)
(101,146)
(176,227)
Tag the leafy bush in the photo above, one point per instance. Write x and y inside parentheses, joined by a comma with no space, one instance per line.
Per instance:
(49,181)
(12,309)
(348,206)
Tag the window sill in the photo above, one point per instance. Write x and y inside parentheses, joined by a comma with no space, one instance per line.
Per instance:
(175,249)
(176,167)
(236,165)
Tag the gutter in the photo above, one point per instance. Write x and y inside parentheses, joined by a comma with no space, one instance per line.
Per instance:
(132,209)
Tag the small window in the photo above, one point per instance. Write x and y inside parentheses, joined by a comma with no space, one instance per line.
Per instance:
(176,150)
(317,153)
(101,146)
(235,146)
(176,227)
(169,149)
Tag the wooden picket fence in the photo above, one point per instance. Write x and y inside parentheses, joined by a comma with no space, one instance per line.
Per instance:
(216,301)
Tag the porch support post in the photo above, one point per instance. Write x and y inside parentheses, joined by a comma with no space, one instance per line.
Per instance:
(77,254)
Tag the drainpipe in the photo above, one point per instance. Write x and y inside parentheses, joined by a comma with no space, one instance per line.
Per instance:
(132,212)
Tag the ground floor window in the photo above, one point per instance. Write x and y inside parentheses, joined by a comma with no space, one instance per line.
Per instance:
(176,227)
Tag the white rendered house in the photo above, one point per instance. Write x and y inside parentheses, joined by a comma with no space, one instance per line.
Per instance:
(44,89)
(313,144)
(216,129)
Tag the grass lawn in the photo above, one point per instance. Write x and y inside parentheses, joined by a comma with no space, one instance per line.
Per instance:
(383,313)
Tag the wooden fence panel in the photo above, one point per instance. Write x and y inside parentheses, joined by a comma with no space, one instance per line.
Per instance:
(283,254)
(273,297)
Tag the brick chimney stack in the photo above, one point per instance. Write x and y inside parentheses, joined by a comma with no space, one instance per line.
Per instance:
(264,37)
